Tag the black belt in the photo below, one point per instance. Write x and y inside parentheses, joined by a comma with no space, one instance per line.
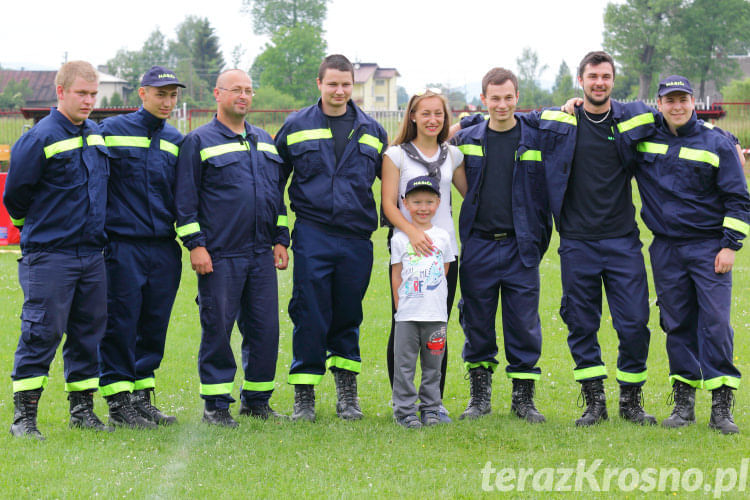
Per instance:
(493,236)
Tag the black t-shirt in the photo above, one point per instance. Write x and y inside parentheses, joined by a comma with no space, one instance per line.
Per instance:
(495,211)
(341,127)
(598,203)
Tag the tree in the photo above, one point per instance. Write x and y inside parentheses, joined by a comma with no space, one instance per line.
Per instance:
(290,62)
(271,15)
(197,57)
(14,94)
(402,97)
(130,65)
(271,98)
(638,34)
(116,100)
(531,94)
(238,52)
(708,33)
(737,91)
(563,88)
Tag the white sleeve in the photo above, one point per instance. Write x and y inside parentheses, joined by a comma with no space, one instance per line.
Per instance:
(456,156)
(447,249)
(397,248)
(396,154)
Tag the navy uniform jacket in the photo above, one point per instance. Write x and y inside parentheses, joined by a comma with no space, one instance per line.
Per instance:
(143,156)
(692,184)
(223,180)
(335,196)
(532,221)
(558,132)
(56,188)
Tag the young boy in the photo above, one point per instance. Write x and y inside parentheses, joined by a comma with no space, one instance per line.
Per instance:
(420,291)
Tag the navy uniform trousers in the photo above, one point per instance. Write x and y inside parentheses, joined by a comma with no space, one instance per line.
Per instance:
(490,268)
(617,263)
(241,289)
(143,277)
(62,293)
(694,302)
(331,275)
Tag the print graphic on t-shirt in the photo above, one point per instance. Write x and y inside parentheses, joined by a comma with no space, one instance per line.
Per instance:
(427,270)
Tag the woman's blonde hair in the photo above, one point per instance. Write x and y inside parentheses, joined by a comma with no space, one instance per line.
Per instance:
(407,131)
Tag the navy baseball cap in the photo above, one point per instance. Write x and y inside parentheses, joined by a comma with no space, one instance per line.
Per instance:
(423,182)
(159,76)
(674,83)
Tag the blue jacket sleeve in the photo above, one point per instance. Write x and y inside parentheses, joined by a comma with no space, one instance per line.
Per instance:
(733,191)
(188,174)
(26,169)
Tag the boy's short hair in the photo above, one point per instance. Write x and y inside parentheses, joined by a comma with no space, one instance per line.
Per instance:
(337,62)
(595,58)
(69,71)
(498,76)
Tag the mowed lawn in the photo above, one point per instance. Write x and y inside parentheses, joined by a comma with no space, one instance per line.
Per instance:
(373,457)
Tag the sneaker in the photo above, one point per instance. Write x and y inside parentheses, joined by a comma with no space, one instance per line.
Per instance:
(430,418)
(409,422)
(443,414)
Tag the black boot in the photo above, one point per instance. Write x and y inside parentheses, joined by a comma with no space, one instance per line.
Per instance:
(596,403)
(24,417)
(480,390)
(522,401)
(631,405)
(261,410)
(219,416)
(722,400)
(683,413)
(82,412)
(347,407)
(141,401)
(304,402)
(123,413)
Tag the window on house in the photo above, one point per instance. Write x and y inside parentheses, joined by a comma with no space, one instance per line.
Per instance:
(379,83)
(380,98)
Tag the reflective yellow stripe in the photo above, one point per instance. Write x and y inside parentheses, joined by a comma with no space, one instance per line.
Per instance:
(700,155)
(127,141)
(269,148)
(282,221)
(216,389)
(523,375)
(652,147)
(715,383)
(222,149)
(344,364)
(257,386)
(471,149)
(18,222)
(633,378)
(62,146)
(94,140)
(29,384)
(559,116)
(117,387)
(698,384)
(82,385)
(372,141)
(708,125)
(488,365)
(736,224)
(144,383)
(591,372)
(169,147)
(308,135)
(636,121)
(188,229)
(532,155)
(304,379)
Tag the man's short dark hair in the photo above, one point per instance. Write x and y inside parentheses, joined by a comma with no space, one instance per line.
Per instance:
(337,62)
(595,58)
(498,76)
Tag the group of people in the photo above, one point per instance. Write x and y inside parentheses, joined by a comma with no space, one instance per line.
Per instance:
(99,207)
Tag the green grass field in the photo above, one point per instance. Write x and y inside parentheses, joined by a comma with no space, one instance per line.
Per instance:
(374,457)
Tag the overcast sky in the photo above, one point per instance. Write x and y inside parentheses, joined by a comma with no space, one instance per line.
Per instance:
(452,42)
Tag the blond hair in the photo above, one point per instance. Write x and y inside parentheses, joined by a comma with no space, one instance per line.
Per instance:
(71,70)
(407,131)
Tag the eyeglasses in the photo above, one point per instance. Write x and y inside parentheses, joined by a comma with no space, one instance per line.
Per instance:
(239,91)
(434,90)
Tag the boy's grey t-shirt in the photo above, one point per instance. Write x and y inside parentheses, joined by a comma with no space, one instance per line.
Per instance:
(423,290)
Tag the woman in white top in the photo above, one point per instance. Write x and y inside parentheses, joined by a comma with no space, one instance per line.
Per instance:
(420,149)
